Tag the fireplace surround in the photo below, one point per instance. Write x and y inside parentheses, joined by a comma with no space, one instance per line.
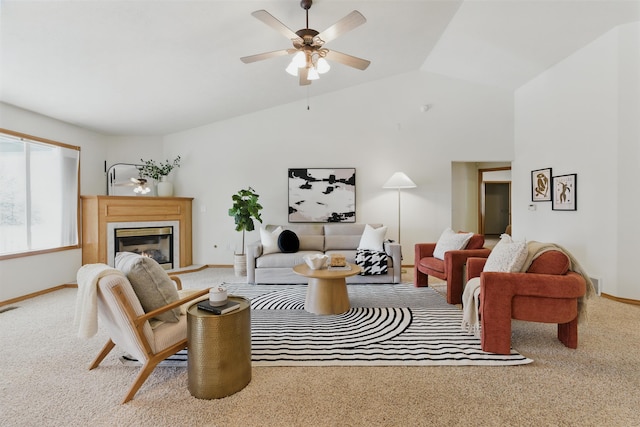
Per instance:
(102,215)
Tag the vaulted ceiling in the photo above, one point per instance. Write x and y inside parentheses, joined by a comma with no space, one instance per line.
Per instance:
(157,67)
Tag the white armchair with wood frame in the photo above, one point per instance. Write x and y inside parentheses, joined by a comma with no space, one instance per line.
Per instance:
(121,313)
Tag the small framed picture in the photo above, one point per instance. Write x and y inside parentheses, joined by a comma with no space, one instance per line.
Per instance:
(541,185)
(565,189)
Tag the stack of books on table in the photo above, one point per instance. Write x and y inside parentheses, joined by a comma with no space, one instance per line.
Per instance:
(220,309)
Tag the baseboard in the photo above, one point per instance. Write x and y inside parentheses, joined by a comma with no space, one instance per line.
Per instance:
(623,300)
(36,294)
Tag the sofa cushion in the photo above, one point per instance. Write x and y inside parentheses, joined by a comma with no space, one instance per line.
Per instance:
(550,262)
(280,260)
(310,236)
(507,256)
(336,242)
(311,243)
(373,238)
(434,264)
(269,240)
(150,282)
(451,241)
(288,242)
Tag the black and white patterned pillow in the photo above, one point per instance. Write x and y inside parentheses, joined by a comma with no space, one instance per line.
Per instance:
(371,262)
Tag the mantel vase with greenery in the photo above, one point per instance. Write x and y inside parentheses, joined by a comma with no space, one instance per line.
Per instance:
(244,211)
(159,172)
(164,188)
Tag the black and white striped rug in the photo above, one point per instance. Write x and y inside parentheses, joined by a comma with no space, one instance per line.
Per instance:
(387,325)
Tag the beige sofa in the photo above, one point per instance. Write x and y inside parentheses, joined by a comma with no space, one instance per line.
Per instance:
(326,239)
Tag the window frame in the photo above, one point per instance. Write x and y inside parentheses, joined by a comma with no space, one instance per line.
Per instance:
(24,136)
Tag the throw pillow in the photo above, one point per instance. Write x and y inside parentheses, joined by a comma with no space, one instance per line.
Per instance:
(371,262)
(450,241)
(373,238)
(269,240)
(288,242)
(151,283)
(507,256)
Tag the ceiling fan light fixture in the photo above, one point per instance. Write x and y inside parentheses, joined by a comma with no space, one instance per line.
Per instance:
(313,74)
(323,66)
(300,59)
(292,69)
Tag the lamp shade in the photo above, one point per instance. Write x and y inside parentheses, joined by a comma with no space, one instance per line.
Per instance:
(399,180)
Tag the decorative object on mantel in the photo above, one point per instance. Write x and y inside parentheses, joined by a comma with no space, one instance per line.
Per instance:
(244,210)
(159,172)
(125,175)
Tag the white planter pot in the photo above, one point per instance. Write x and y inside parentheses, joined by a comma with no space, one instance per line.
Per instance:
(240,265)
(164,188)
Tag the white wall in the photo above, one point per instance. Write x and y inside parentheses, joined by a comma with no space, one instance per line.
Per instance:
(628,159)
(22,276)
(377,128)
(581,117)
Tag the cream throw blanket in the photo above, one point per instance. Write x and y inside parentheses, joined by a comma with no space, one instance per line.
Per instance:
(86,315)
(471,294)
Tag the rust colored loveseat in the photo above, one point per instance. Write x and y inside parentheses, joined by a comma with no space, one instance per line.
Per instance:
(450,269)
(547,292)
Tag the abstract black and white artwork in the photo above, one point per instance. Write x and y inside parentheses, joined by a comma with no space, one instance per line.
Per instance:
(322,195)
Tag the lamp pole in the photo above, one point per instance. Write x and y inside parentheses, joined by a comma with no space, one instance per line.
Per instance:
(399,180)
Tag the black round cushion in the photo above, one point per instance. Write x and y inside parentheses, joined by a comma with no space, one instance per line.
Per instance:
(288,242)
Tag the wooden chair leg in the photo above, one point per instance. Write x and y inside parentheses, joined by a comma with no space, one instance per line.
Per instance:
(144,373)
(105,350)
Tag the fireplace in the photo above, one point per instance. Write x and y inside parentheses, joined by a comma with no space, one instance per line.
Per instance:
(152,242)
(102,215)
(159,240)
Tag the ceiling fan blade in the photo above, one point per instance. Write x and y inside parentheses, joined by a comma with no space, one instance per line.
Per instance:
(271,21)
(351,61)
(262,56)
(348,23)
(304,76)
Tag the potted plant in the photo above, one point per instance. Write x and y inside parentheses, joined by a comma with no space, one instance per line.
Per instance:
(158,171)
(245,210)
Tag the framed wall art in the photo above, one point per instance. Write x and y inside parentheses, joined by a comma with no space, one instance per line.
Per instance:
(565,188)
(322,195)
(541,185)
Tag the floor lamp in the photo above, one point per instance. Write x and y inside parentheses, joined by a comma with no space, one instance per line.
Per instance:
(399,180)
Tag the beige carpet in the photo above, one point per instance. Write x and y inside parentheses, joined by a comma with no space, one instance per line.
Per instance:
(45,382)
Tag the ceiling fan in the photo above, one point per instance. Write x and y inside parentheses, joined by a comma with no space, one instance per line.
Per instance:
(311,56)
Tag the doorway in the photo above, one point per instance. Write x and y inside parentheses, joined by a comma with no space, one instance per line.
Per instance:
(494,197)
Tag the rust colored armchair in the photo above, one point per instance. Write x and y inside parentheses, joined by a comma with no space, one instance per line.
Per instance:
(450,269)
(548,292)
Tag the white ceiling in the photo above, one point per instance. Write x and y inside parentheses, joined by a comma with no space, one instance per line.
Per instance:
(156,67)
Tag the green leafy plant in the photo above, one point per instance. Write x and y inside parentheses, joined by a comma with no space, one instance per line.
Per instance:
(156,170)
(244,210)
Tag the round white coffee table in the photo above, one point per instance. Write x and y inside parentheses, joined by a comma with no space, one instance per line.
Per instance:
(327,289)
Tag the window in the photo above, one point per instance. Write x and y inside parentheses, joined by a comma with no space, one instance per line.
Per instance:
(39,193)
